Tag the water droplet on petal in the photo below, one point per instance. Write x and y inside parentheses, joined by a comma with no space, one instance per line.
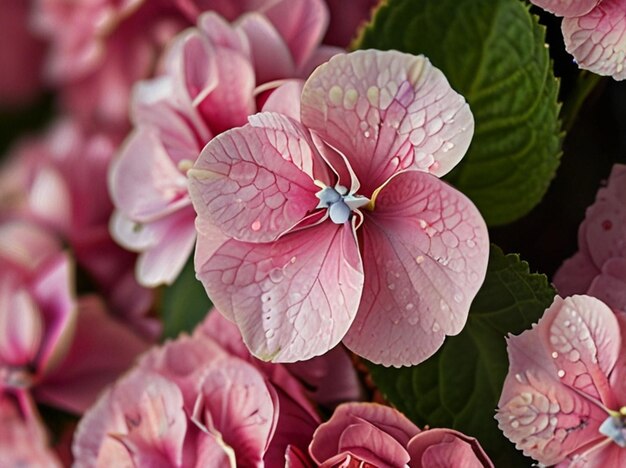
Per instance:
(561,373)
(470,243)
(436,327)
(458,297)
(391,286)
(293,259)
(256,225)
(276,275)
(555,354)
(419,259)
(409,306)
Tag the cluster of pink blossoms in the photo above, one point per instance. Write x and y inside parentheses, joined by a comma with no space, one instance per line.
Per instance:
(308,182)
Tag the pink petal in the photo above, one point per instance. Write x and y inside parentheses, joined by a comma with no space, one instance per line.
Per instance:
(50,199)
(270,55)
(21,325)
(567,7)
(222,34)
(597,40)
(617,379)
(101,350)
(425,251)
(292,299)
(26,245)
(285,99)
(53,291)
(165,259)
(144,181)
(144,409)
(550,403)
(250,181)
(575,275)
(446,448)
(610,285)
(301,24)
(236,403)
(387,111)
(394,426)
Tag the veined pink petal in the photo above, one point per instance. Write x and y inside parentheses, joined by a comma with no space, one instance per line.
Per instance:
(236,402)
(617,379)
(552,399)
(270,55)
(387,111)
(397,429)
(597,39)
(285,99)
(144,409)
(425,256)
(143,180)
(102,348)
(250,181)
(301,24)
(567,7)
(293,298)
(446,448)
(221,33)
(575,275)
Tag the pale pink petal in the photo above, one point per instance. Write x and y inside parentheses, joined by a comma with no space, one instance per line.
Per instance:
(250,181)
(50,200)
(425,250)
(618,376)
(222,34)
(101,350)
(558,379)
(387,111)
(604,454)
(319,56)
(301,24)
(285,99)
(567,7)
(212,451)
(597,40)
(143,409)
(236,402)
(292,299)
(446,448)
(610,285)
(53,291)
(21,325)
(26,245)
(391,425)
(163,261)
(575,275)
(270,55)
(144,181)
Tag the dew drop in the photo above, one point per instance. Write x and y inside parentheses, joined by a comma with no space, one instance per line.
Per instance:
(409,306)
(367,134)
(391,286)
(419,259)
(447,146)
(561,373)
(256,225)
(555,354)
(458,297)
(293,260)
(444,306)
(574,355)
(519,378)
(269,333)
(470,243)
(276,275)
(515,424)
(436,327)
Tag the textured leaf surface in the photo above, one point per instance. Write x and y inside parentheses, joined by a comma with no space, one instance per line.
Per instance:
(184,304)
(493,52)
(460,385)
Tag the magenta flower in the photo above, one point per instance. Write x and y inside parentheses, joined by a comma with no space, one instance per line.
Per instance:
(599,267)
(594,32)
(213,79)
(563,401)
(369,435)
(338,228)
(192,403)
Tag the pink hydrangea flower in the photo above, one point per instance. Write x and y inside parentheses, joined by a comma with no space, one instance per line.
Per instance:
(599,267)
(594,32)
(218,410)
(21,55)
(59,180)
(23,438)
(52,345)
(338,228)
(213,79)
(563,401)
(370,435)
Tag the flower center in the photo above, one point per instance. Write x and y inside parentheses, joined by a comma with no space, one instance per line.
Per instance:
(339,202)
(614,427)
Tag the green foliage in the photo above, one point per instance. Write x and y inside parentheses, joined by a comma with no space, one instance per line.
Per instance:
(494,53)
(460,385)
(184,304)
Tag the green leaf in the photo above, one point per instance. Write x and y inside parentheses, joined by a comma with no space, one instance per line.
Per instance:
(183,304)
(494,53)
(459,387)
